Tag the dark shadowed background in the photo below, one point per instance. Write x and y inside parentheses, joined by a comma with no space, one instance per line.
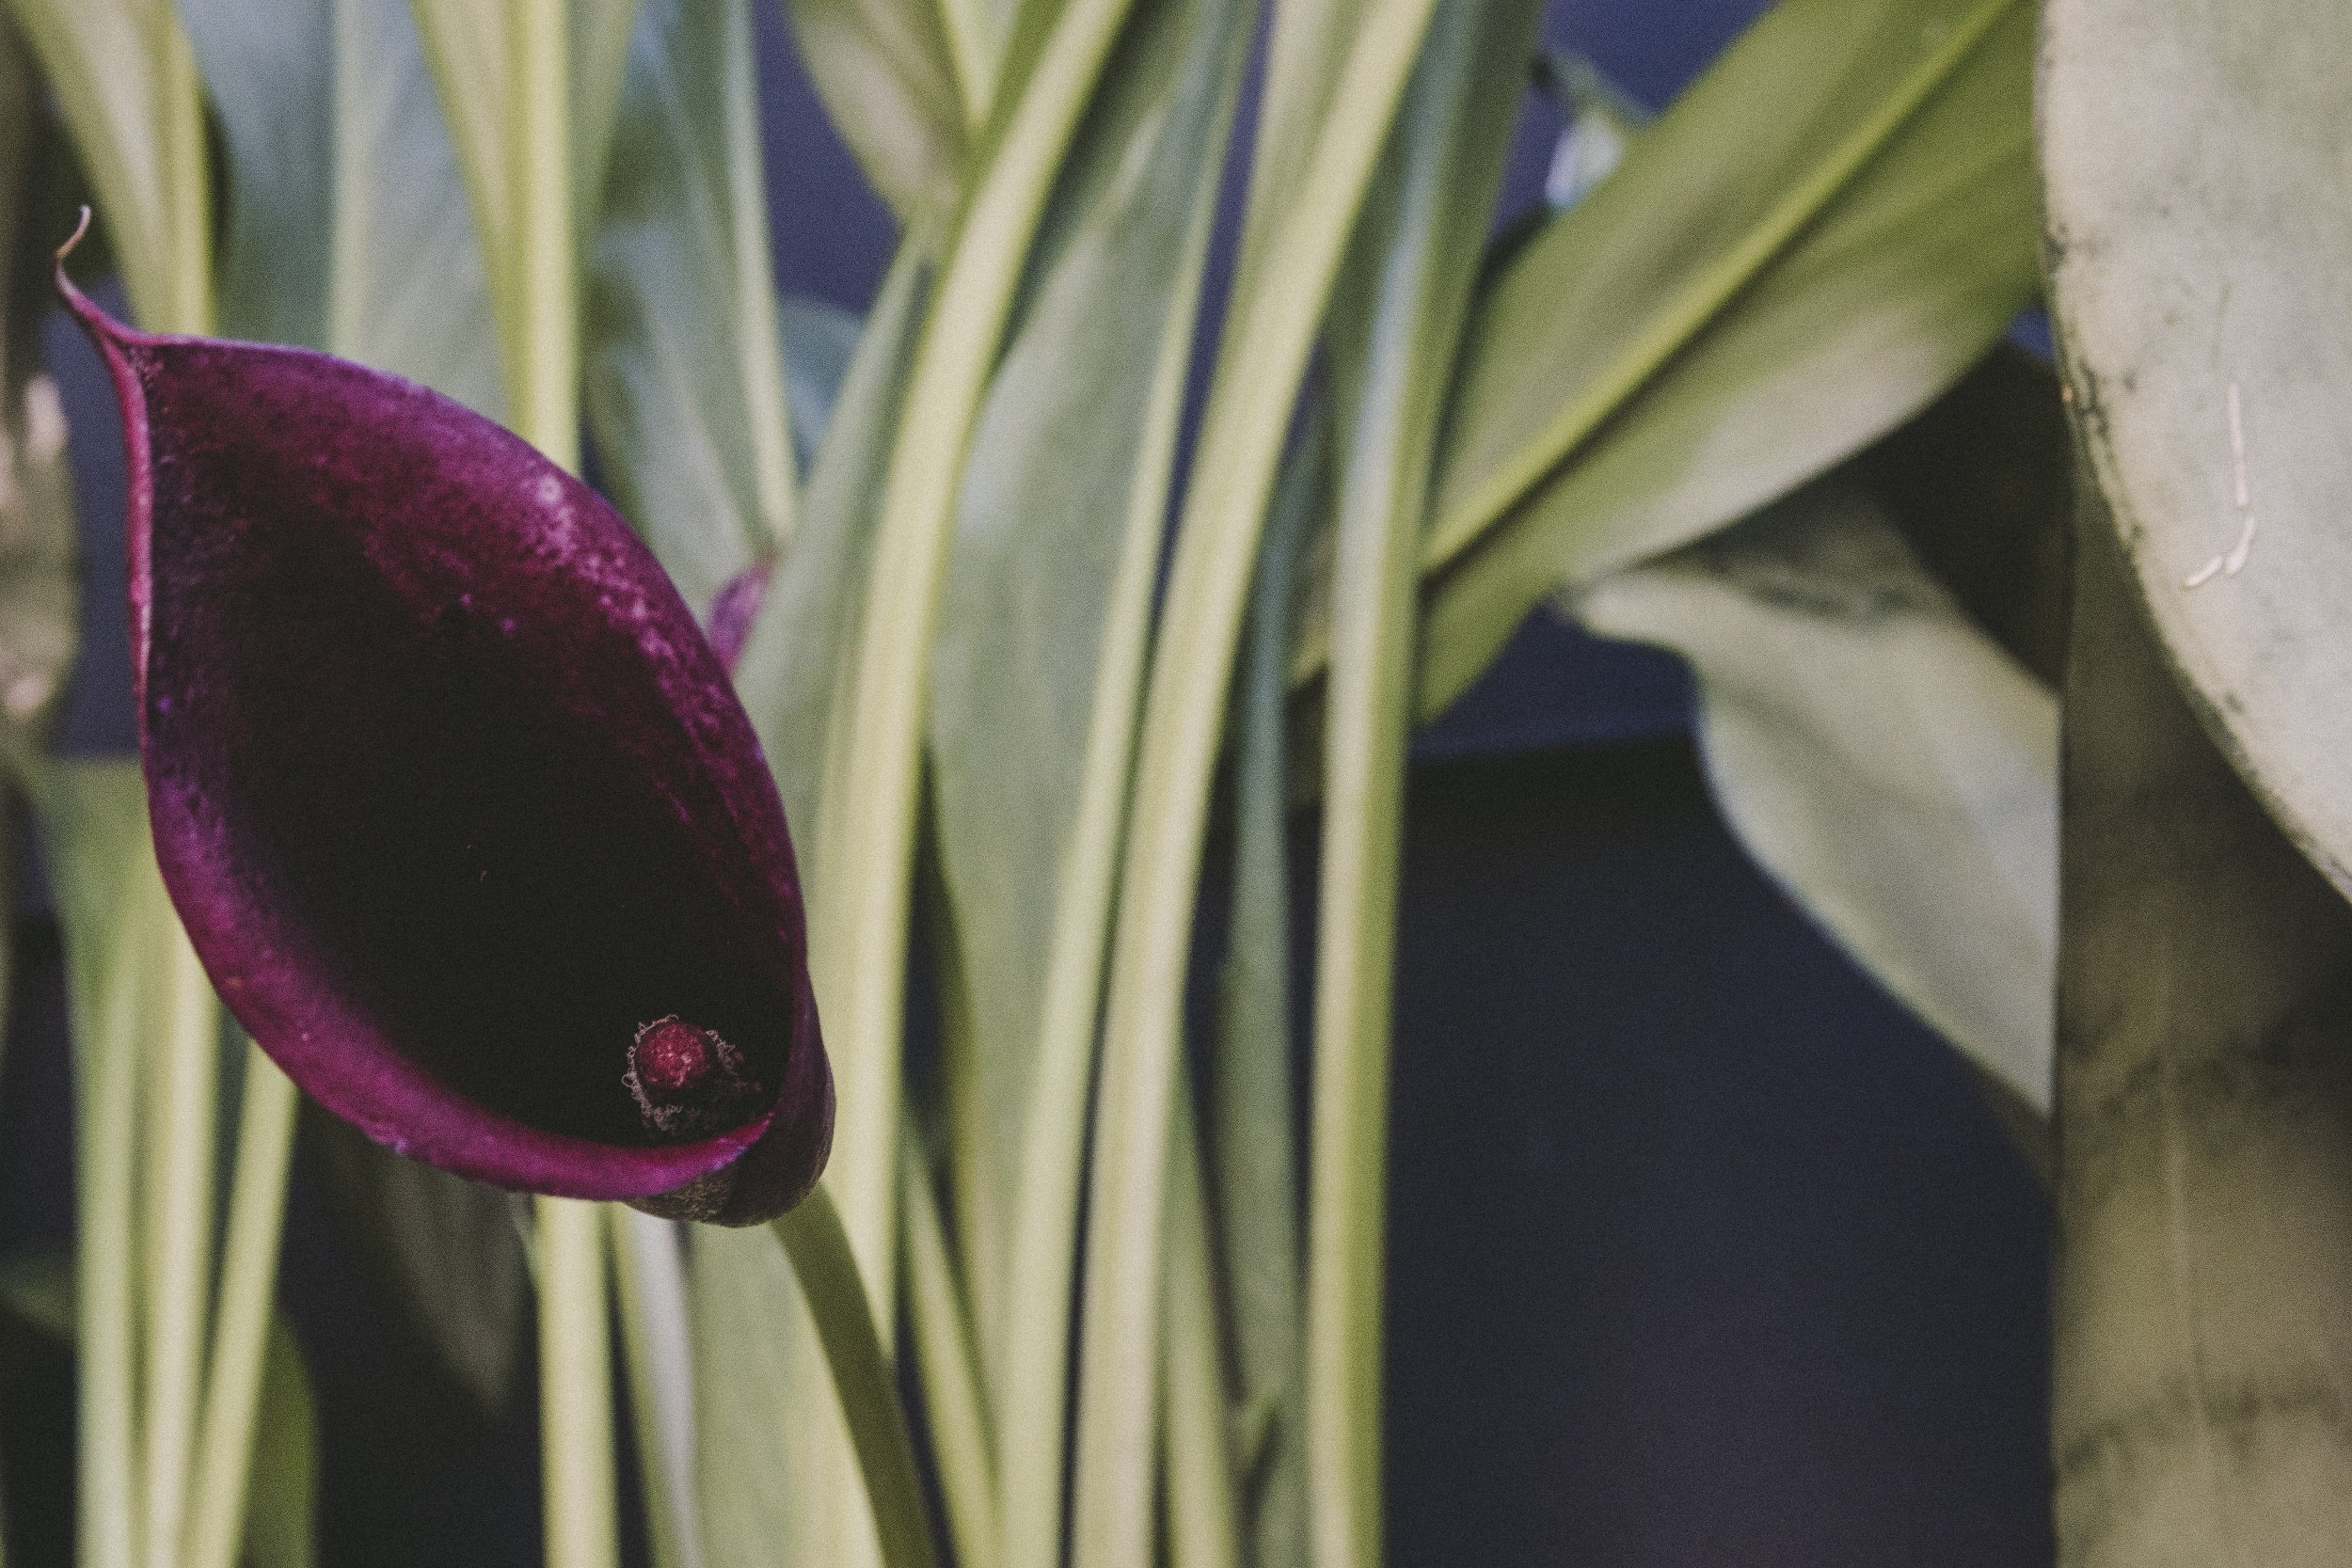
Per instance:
(1702,1252)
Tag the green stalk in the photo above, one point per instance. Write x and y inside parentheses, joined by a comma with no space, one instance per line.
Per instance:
(769,421)
(575,1387)
(866,818)
(865,827)
(951,1382)
(650,1274)
(1032,1404)
(543,402)
(832,1283)
(1253,1102)
(1203,1517)
(189,189)
(1416,255)
(542,373)
(972,54)
(1261,365)
(105,1268)
(177,1206)
(177,1211)
(232,1386)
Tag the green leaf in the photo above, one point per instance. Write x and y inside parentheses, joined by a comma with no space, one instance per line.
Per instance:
(125,85)
(793,659)
(825,339)
(887,76)
(1813,243)
(865,823)
(2204,1213)
(348,224)
(281,1511)
(409,290)
(472,56)
(978,32)
(1306,44)
(444,1250)
(656,1337)
(2199,246)
(939,1318)
(1880,755)
(753,1345)
(146,1044)
(685,375)
(270,67)
(1205,1528)
(1253,1104)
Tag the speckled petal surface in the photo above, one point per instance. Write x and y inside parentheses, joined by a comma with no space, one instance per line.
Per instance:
(451,792)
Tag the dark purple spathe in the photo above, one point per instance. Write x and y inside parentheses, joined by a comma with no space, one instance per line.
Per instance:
(450,791)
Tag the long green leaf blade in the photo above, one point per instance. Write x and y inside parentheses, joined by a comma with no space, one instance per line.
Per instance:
(685,370)
(1878,754)
(1704,332)
(888,76)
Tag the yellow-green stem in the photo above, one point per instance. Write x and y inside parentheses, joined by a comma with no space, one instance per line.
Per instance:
(188,192)
(865,830)
(772,477)
(575,1387)
(1261,367)
(942,1331)
(1204,1517)
(831,1282)
(1032,1402)
(177,1211)
(650,1273)
(543,404)
(543,373)
(107,1070)
(233,1383)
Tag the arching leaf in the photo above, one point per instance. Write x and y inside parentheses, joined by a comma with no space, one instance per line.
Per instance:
(685,373)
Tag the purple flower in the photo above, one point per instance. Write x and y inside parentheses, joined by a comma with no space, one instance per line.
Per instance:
(453,796)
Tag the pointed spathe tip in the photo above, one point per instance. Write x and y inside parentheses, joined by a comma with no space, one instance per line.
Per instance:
(109,335)
(93,319)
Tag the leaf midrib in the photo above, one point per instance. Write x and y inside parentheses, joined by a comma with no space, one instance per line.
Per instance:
(1705,297)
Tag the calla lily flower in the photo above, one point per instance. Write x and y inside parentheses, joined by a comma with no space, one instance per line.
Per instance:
(453,794)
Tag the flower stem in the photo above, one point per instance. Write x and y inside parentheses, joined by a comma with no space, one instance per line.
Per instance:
(941,1329)
(575,1387)
(107,1072)
(649,1269)
(232,1390)
(1265,356)
(543,375)
(1204,1515)
(863,1380)
(187,172)
(865,841)
(543,406)
(177,1207)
